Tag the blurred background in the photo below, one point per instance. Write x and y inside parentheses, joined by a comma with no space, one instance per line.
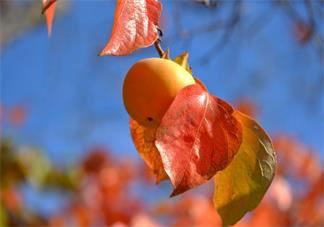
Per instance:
(67,158)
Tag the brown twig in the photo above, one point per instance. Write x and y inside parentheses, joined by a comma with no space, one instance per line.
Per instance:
(158,47)
(230,26)
(157,43)
(311,17)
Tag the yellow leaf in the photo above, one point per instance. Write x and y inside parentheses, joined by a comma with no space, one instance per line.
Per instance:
(241,186)
(144,139)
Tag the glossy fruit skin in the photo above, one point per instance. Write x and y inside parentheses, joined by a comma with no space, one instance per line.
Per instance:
(150,87)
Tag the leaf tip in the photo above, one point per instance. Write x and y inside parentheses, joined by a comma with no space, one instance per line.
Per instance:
(103,52)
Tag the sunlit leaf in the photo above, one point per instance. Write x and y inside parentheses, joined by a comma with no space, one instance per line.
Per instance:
(197,137)
(135,26)
(241,186)
(49,7)
(144,139)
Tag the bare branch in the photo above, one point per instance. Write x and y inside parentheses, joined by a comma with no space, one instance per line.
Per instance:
(232,22)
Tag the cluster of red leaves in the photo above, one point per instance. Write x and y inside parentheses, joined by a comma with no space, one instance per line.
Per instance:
(302,166)
(296,159)
(198,136)
(104,196)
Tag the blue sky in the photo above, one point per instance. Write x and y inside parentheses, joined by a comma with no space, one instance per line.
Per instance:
(73,97)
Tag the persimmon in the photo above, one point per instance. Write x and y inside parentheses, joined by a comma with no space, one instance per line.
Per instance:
(149,88)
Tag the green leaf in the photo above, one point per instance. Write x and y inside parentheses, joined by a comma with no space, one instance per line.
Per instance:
(241,186)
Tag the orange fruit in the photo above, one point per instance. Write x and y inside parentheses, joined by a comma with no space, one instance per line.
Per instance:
(150,87)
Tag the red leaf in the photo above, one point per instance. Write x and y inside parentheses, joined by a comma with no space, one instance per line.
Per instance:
(135,26)
(198,136)
(49,7)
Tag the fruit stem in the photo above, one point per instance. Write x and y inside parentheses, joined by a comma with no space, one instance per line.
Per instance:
(158,47)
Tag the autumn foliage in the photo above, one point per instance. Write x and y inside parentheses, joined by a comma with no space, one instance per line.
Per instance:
(101,189)
(186,136)
(103,193)
(184,133)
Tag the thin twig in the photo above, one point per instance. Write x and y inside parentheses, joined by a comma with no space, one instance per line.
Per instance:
(309,8)
(158,47)
(291,11)
(260,22)
(232,22)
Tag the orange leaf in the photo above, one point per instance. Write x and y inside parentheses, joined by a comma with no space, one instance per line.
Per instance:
(198,136)
(49,7)
(144,139)
(135,26)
